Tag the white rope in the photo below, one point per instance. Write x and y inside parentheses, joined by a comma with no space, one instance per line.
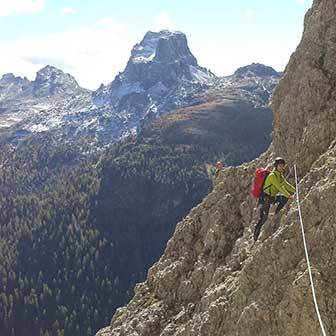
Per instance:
(307,256)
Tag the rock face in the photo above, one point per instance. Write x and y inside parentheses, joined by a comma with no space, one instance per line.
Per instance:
(160,74)
(161,61)
(160,57)
(256,69)
(253,83)
(305,99)
(50,81)
(11,85)
(53,102)
(211,279)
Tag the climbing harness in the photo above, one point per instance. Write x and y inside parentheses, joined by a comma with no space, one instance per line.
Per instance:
(307,256)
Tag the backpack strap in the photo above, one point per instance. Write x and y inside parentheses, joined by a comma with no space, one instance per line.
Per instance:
(263,189)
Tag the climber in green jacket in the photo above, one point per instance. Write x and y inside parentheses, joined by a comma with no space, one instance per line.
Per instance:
(276,190)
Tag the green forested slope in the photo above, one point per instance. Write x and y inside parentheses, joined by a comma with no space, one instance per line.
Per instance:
(78,231)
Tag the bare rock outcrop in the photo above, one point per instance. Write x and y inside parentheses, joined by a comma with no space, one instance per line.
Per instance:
(305,100)
(212,280)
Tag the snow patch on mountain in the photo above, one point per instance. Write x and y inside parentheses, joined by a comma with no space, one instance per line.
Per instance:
(161,75)
(201,75)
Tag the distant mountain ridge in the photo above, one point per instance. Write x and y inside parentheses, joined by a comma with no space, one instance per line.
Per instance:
(257,69)
(13,86)
(161,76)
(49,81)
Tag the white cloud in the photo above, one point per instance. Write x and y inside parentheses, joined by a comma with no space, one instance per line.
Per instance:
(164,21)
(109,23)
(301,1)
(15,7)
(248,13)
(67,10)
(92,54)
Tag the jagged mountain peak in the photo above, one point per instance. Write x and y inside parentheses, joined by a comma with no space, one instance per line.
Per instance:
(7,76)
(159,65)
(50,72)
(164,33)
(162,57)
(11,78)
(163,46)
(13,86)
(256,69)
(51,80)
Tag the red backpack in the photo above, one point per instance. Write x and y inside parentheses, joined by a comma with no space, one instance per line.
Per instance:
(259,180)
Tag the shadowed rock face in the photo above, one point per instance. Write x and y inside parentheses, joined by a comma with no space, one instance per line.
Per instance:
(305,99)
(211,279)
(12,85)
(159,65)
(50,81)
(157,52)
(256,69)
(163,56)
(9,78)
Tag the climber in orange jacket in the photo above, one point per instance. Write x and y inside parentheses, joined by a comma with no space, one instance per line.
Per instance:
(276,190)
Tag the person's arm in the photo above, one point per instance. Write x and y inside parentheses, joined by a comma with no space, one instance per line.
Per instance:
(290,188)
(275,182)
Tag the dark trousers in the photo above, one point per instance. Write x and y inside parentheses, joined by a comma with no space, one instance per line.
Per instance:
(265,203)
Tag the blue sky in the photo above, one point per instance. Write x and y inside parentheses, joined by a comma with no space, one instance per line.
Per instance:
(92,39)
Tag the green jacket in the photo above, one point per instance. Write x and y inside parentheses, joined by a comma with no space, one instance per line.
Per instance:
(276,183)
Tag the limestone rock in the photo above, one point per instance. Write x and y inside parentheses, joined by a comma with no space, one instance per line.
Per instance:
(304,101)
(50,80)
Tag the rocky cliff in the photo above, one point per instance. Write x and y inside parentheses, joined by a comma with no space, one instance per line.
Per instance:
(305,100)
(51,81)
(159,66)
(161,76)
(212,280)
(14,86)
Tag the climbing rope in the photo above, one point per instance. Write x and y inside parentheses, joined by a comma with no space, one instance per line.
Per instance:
(307,256)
